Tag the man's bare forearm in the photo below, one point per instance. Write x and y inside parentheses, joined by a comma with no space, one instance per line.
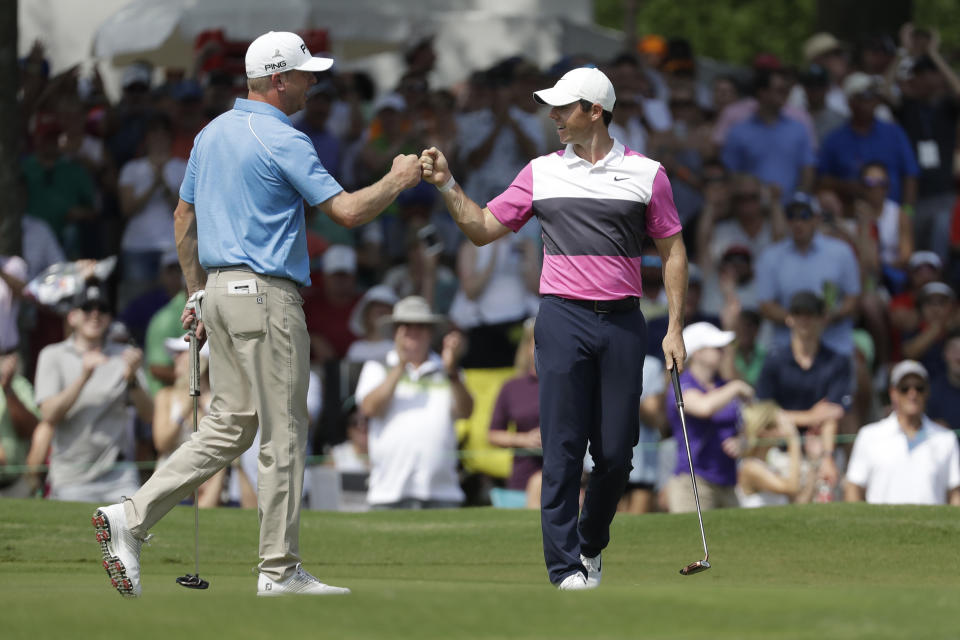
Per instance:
(185,234)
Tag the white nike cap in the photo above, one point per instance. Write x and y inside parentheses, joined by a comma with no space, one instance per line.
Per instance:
(700,335)
(585,83)
(279,51)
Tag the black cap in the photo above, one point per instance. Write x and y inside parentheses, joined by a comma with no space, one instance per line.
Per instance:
(806,303)
(93,295)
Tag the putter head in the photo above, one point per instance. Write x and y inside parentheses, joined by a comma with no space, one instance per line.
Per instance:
(695,567)
(191,581)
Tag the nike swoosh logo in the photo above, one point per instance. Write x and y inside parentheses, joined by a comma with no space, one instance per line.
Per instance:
(619,178)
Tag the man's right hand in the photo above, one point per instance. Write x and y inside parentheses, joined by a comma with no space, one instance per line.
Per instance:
(406,169)
(436,171)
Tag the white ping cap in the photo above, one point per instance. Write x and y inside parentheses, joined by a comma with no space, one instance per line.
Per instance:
(585,83)
(279,51)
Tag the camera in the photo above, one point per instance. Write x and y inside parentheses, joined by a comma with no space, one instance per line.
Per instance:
(430,237)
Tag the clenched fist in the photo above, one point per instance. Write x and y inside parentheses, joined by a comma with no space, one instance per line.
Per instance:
(434,165)
(406,169)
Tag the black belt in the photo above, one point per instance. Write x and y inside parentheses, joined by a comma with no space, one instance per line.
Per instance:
(605,306)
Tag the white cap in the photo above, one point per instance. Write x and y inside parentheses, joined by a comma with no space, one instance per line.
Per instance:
(585,83)
(700,335)
(907,368)
(339,258)
(929,258)
(279,51)
(937,289)
(390,101)
(857,83)
(179,345)
(380,293)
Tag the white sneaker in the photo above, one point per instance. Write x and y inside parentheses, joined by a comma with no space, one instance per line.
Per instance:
(574,582)
(300,582)
(593,570)
(120,549)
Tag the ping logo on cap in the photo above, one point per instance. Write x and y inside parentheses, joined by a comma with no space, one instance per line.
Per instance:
(275,65)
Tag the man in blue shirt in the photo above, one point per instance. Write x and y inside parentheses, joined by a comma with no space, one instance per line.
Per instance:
(809,261)
(863,140)
(774,148)
(241,238)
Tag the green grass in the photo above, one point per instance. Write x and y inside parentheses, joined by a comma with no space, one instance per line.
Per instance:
(817,571)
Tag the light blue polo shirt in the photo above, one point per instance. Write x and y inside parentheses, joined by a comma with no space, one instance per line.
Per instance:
(248,175)
(828,268)
(774,153)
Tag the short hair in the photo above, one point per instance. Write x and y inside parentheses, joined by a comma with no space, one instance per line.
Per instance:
(159,121)
(586,106)
(263,84)
(806,303)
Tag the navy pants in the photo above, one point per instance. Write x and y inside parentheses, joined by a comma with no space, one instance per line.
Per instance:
(590,367)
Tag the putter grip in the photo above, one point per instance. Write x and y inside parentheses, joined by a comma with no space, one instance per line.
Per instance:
(676,384)
(194,364)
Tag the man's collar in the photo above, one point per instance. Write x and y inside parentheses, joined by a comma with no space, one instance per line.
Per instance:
(613,158)
(255,106)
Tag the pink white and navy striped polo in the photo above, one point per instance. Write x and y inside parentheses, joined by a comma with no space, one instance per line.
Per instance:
(594,218)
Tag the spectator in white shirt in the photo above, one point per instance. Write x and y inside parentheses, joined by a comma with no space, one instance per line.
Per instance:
(412,402)
(906,458)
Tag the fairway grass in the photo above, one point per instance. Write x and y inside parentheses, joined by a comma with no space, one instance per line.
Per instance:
(830,571)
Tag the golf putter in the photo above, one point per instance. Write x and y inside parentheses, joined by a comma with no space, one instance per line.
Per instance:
(193,580)
(699,565)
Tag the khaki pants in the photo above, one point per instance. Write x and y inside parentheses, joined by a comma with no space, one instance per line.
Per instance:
(259,372)
(712,496)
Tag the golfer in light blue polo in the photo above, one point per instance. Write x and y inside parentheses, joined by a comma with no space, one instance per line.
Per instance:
(241,238)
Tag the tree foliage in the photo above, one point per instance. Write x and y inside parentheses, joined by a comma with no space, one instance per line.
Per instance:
(736,30)
(730,30)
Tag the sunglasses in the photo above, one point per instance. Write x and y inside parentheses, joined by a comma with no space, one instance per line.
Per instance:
(91,307)
(799,214)
(906,388)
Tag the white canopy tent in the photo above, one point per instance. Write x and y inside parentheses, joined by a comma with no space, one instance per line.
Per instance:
(368,34)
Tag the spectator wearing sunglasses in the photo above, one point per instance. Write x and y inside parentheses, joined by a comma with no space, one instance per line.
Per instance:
(84,386)
(906,458)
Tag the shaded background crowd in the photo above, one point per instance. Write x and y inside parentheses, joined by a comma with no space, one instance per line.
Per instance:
(820,211)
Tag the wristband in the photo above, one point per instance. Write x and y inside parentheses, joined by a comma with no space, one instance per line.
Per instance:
(447,185)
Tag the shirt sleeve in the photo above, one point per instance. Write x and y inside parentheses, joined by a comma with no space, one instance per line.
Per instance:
(730,154)
(765,282)
(826,161)
(372,375)
(953,461)
(300,165)
(501,410)
(858,469)
(514,206)
(156,350)
(127,176)
(188,187)
(838,390)
(48,381)
(663,220)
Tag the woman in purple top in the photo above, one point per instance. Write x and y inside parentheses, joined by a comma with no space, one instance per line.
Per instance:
(712,410)
(519,403)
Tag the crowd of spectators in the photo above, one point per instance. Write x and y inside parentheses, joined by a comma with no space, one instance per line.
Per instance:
(820,211)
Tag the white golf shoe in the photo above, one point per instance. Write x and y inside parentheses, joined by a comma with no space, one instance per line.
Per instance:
(120,549)
(300,582)
(593,570)
(574,582)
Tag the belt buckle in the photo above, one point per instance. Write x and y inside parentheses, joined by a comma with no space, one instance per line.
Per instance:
(597,308)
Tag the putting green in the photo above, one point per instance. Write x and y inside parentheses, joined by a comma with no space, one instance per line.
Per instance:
(815,571)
